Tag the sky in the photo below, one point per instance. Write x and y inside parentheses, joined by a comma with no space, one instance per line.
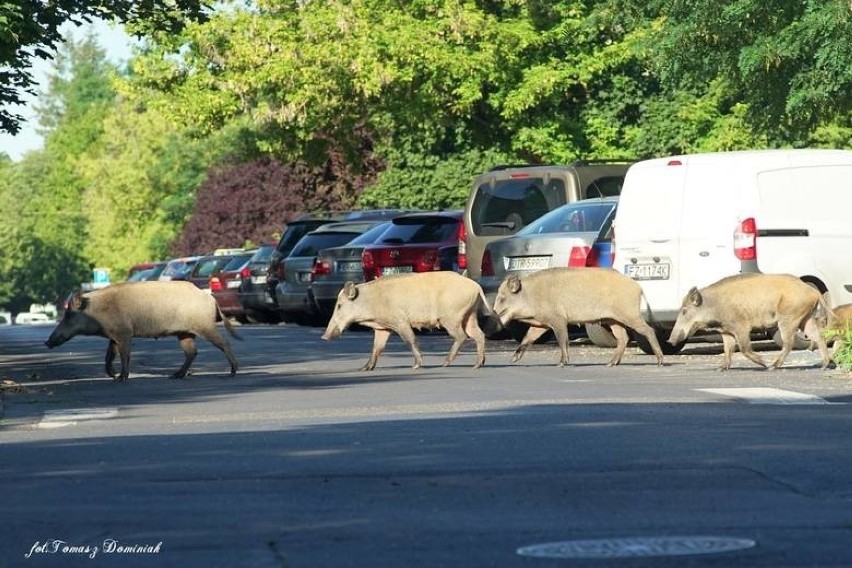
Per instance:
(117,45)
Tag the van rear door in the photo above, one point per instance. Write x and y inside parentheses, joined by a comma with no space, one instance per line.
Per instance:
(647,229)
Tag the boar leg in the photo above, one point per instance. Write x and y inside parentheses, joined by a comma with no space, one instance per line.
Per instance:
(471,326)
(380,339)
(621,339)
(743,337)
(641,327)
(187,343)
(562,338)
(407,335)
(122,345)
(457,332)
(729,342)
(533,333)
(112,350)
(814,332)
(212,335)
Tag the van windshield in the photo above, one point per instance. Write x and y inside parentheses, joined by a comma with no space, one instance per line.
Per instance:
(573,218)
(510,204)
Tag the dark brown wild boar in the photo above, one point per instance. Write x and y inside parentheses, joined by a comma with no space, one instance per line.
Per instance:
(144,309)
(556,297)
(739,304)
(400,303)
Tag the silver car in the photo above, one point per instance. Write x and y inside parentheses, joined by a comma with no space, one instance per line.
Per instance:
(564,237)
(335,266)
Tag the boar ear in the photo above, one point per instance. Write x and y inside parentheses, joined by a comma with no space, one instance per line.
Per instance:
(351,290)
(694,296)
(78,302)
(514,284)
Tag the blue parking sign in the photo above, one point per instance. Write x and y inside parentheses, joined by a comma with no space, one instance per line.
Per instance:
(100,276)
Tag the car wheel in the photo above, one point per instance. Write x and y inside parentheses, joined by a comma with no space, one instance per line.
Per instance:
(600,335)
(665,346)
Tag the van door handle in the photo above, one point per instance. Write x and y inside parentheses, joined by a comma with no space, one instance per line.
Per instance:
(660,240)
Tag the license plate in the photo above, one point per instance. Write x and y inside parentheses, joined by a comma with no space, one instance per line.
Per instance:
(233,284)
(655,271)
(303,276)
(528,263)
(397,270)
(258,279)
(352,266)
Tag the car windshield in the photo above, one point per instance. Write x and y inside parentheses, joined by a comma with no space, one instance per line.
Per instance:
(576,217)
(262,254)
(410,231)
(311,244)
(208,266)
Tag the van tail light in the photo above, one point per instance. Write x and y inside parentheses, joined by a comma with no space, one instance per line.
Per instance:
(320,268)
(487,267)
(428,262)
(745,240)
(245,273)
(578,257)
(462,259)
(368,263)
(593,258)
(215,284)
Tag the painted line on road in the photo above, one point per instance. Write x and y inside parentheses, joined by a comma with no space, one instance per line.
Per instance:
(70,417)
(764,395)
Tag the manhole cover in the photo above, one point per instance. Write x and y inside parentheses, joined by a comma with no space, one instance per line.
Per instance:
(634,547)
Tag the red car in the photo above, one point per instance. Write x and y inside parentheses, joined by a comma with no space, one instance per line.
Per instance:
(225,285)
(419,242)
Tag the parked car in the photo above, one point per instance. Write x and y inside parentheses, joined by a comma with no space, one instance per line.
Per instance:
(506,199)
(206,267)
(300,227)
(178,268)
(567,236)
(337,265)
(258,305)
(418,242)
(225,284)
(291,293)
(32,318)
(564,237)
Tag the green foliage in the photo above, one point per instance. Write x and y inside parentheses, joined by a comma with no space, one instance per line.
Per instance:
(31,29)
(843,346)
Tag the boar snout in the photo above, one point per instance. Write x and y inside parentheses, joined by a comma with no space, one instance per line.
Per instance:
(331,333)
(676,337)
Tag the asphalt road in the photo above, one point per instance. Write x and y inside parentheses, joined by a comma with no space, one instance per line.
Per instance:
(301,460)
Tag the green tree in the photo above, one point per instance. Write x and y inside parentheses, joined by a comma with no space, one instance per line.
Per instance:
(30,29)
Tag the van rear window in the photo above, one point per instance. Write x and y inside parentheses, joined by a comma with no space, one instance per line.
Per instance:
(509,205)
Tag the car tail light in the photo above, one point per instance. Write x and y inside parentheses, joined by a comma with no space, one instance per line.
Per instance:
(245,273)
(368,263)
(612,247)
(578,256)
(462,259)
(428,262)
(215,284)
(321,268)
(745,240)
(487,266)
(279,270)
(593,258)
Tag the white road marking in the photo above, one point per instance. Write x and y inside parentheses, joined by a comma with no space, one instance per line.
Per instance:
(763,395)
(70,417)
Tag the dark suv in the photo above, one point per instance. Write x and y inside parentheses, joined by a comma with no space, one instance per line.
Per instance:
(507,198)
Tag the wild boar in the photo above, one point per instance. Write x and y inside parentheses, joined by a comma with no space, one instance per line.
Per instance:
(407,301)
(144,309)
(556,297)
(738,304)
(839,322)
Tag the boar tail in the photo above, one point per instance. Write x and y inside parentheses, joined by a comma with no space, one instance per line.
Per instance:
(650,314)
(226,322)
(492,321)
(823,314)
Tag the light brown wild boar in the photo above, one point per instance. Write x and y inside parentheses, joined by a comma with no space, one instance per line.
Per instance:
(422,300)
(556,297)
(144,309)
(738,304)
(839,322)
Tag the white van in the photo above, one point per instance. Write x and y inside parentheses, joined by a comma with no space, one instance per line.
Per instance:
(691,220)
